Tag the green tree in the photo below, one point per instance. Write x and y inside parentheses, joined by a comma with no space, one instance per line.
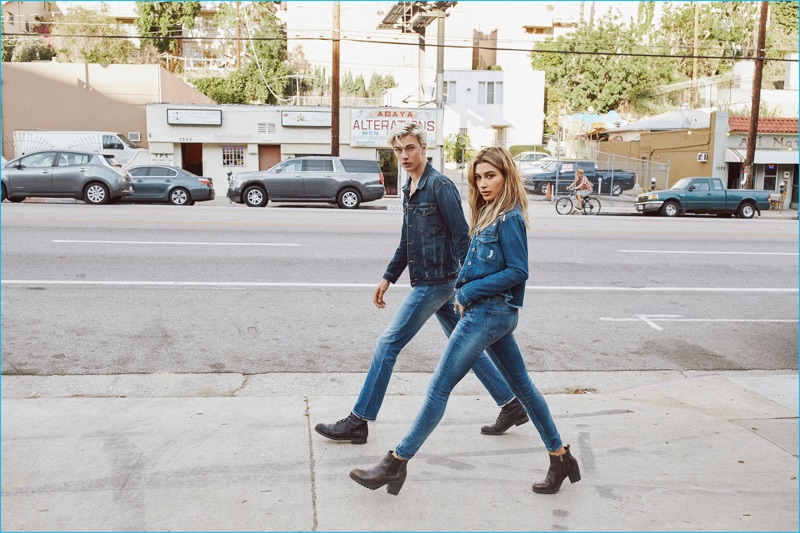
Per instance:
(724,29)
(264,75)
(164,21)
(81,38)
(32,48)
(582,69)
(378,83)
(457,147)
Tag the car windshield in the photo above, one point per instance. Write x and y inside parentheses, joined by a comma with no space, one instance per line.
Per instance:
(127,142)
(111,161)
(681,184)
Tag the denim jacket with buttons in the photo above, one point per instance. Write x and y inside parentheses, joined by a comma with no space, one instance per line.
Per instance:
(497,262)
(435,234)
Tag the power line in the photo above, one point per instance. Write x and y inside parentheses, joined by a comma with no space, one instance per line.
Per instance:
(432,45)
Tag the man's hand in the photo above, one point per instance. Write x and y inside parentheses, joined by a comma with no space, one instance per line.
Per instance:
(377,295)
(458,308)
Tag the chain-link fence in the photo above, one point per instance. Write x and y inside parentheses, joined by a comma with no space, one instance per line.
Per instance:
(649,174)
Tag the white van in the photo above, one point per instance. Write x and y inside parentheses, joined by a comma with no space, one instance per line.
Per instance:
(105,142)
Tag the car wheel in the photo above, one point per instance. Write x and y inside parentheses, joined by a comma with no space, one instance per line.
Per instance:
(95,193)
(349,199)
(179,196)
(616,190)
(746,210)
(254,196)
(542,188)
(5,194)
(670,209)
(16,200)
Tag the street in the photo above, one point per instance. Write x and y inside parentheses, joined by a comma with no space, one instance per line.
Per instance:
(132,289)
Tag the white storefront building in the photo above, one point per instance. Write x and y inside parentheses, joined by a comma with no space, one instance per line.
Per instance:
(213,140)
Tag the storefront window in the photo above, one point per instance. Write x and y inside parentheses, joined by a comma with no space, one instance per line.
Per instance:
(233,156)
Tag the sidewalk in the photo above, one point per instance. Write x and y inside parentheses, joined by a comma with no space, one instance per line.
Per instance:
(659,451)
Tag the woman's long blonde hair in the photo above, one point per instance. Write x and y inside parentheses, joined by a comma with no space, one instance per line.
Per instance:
(482,214)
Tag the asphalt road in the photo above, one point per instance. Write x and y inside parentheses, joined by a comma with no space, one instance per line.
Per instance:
(209,288)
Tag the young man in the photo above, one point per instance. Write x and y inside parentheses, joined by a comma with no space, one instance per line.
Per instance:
(433,242)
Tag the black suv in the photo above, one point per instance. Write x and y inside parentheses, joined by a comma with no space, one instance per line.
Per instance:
(343,181)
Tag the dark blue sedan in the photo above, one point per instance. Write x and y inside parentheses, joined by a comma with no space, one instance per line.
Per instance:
(163,183)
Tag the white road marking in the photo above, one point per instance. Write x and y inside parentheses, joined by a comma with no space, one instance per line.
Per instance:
(702,252)
(181,243)
(372,285)
(651,320)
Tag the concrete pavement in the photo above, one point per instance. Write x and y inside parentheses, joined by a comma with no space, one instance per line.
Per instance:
(659,451)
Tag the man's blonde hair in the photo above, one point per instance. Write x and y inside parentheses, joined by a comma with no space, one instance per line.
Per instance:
(405,129)
(482,214)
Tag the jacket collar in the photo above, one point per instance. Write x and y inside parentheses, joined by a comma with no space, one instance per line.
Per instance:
(422,180)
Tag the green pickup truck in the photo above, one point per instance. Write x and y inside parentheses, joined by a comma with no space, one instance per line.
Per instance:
(703,195)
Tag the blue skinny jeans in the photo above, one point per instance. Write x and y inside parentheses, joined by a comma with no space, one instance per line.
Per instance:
(418,306)
(489,325)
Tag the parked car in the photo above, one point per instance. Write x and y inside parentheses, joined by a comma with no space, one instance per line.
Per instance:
(536,179)
(344,181)
(703,195)
(164,183)
(89,176)
(523,160)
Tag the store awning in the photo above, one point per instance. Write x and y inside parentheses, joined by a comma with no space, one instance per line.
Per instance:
(763,156)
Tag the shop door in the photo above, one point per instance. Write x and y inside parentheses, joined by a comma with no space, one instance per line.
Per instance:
(269,155)
(389,168)
(192,157)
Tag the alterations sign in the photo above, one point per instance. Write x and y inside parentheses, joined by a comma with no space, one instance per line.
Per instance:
(371,126)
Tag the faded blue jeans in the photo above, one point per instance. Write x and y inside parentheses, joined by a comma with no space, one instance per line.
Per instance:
(489,325)
(422,302)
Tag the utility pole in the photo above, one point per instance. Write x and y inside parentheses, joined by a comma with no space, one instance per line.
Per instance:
(238,40)
(335,81)
(440,83)
(756,101)
(694,59)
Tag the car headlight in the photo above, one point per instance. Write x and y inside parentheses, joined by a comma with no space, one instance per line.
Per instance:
(654,196)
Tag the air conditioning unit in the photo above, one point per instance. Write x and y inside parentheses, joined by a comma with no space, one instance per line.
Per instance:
(702,157)
(134,136)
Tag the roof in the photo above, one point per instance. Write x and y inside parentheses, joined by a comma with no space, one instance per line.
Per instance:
(684,119)
(765,124)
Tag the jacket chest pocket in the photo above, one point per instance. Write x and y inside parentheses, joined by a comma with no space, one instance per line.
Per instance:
(488,247)
(427,219)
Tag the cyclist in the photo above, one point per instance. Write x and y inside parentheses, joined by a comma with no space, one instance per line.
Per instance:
(582,187)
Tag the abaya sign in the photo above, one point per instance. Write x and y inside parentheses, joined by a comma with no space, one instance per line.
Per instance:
(371,126)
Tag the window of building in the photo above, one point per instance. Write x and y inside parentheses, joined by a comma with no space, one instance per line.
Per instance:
(233,156)
(770,177)
(490,92)
(449,95)
(10,17)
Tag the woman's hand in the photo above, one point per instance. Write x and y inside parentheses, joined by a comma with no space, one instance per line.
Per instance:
(458,308)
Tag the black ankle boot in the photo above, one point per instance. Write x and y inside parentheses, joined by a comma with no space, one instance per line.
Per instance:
(561,467)
(390,471)
(512,414)
(351,428)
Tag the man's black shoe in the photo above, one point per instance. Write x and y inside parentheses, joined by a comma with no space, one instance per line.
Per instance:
(512,414)
(351,428)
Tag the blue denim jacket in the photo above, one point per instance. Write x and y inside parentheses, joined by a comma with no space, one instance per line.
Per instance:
(497,262)
(435,233)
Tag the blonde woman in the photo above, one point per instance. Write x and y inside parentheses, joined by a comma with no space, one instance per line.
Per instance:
(490,292)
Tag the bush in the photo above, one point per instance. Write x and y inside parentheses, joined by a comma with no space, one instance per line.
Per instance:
(457,147)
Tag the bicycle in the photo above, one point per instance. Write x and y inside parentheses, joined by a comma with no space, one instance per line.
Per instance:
(591,204)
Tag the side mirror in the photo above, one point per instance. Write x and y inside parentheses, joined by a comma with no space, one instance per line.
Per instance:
(278,170)
(691,188)
(19,166)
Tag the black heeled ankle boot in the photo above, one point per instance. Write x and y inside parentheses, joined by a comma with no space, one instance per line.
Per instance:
(390,471)
(512,414)
(561,467)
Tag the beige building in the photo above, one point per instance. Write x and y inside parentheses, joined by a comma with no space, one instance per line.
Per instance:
(714,147)
(24,17)
(86,97)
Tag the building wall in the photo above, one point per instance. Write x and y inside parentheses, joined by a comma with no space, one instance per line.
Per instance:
(249,126)
(81,96)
